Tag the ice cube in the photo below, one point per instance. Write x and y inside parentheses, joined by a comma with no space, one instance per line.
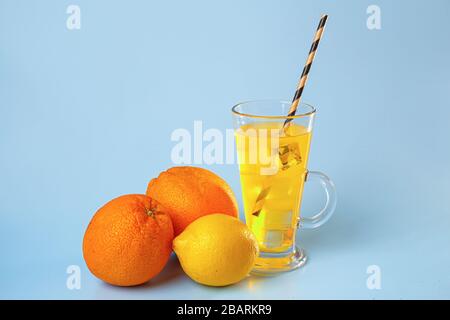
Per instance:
(273,238)
(290,155)
(278,220)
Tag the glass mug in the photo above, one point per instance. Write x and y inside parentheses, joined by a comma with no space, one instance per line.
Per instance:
(272,151)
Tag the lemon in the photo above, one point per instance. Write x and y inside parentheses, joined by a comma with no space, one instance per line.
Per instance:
(216,250)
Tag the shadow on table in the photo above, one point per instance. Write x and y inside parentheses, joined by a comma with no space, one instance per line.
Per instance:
(171,272)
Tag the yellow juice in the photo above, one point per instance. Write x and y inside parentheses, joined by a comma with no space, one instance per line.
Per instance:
(264,167)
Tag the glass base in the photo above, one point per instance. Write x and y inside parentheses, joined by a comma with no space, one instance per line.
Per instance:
(268,264)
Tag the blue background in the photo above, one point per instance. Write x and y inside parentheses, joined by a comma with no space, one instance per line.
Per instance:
(86,115)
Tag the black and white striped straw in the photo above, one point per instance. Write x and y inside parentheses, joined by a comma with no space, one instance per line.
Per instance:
(306,69)
(259,203)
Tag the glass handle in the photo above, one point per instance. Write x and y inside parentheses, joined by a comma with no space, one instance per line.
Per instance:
(320,218)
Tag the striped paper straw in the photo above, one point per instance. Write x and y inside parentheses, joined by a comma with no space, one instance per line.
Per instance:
(306,69)
(284,151)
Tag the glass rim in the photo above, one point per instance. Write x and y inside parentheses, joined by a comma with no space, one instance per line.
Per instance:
(311,111)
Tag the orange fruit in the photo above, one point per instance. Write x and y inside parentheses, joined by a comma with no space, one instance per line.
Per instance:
(189,193)
(128,241)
